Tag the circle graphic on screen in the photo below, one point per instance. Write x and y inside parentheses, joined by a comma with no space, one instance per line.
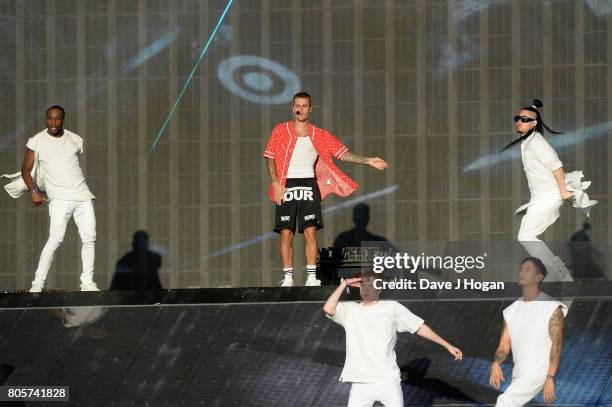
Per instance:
(258,80)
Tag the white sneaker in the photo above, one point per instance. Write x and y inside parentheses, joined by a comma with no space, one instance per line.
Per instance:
(287,281)
(311,281)
(91,286)
(36,288)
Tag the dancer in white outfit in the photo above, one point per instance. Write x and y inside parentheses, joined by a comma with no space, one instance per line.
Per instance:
(371,328)
(56,153)
(533,332)
(547,186)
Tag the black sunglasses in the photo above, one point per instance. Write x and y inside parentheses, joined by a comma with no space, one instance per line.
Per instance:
(523,119)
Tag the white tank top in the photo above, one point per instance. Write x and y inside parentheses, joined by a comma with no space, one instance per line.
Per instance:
(528,328)
(303,159)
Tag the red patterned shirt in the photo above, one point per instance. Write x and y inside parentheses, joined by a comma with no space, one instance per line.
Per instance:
(329,177)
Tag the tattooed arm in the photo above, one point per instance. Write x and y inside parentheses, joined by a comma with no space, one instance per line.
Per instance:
(375,162)
(501,354)
(354,158)
(555,331)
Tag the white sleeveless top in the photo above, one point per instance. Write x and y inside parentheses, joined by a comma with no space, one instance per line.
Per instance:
(303,159)
(528,328)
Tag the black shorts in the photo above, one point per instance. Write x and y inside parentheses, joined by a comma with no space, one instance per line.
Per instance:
(302,204)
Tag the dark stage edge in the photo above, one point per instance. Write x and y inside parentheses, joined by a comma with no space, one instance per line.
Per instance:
(270,347)
(601,291)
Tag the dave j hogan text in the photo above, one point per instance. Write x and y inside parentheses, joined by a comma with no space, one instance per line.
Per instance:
(425,284)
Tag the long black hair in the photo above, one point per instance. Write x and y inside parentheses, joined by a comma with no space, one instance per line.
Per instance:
(540,126)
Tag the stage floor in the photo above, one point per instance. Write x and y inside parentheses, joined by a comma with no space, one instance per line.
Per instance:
(265,347)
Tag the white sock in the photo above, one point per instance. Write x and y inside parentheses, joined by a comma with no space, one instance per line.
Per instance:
(288,272)
(311,271)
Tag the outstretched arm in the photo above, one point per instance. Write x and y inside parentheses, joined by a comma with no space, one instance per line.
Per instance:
(501,354)
(555,330)
(428,333)
(375,162)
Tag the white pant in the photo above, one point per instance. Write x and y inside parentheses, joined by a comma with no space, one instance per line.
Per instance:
(522,389)
(388,392)
(542,213)
(60,213)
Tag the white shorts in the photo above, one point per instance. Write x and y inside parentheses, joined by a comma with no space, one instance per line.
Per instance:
(388,392)
(522,389)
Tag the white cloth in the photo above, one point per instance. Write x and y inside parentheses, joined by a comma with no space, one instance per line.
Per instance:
(529,337)
(60,212)
(388,392)
(522,390)
(303,159)
(581,201)
(17,186)
(371,334)
(58,159)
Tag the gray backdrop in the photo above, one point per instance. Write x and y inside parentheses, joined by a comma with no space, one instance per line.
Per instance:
(431,86)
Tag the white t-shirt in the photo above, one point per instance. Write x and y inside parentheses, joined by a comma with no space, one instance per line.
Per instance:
(539,161)
(59,161)
(303,159)
(371,333)
(528,328)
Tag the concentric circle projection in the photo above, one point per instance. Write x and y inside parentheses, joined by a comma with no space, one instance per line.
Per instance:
(258,80)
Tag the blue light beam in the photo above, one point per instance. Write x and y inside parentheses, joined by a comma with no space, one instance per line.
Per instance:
(150,51)
(188,80)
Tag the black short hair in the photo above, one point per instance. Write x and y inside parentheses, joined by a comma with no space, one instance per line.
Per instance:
(537,263)
(58,107)
(302,95)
